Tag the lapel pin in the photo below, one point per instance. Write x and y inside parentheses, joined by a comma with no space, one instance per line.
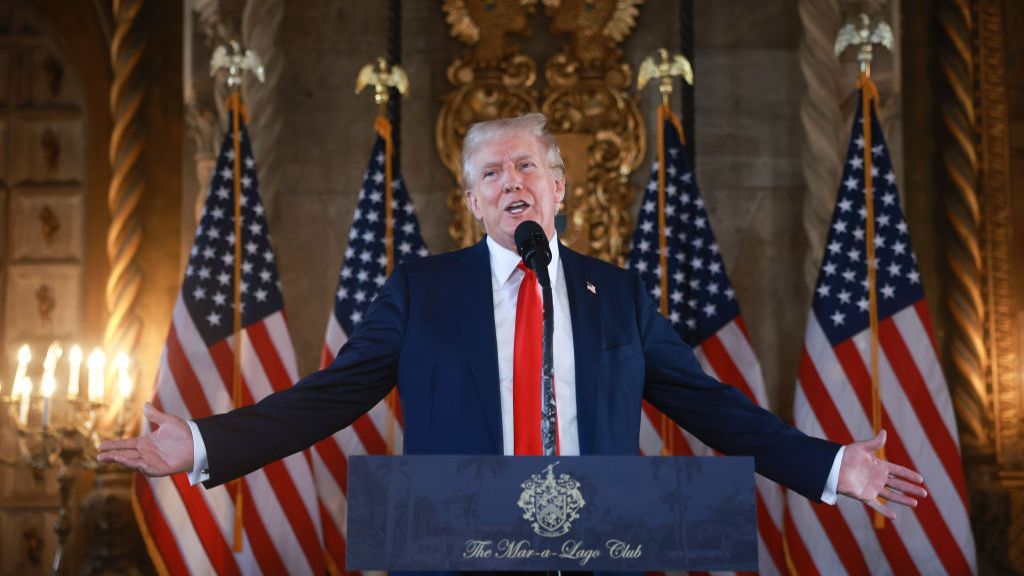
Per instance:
(591,288)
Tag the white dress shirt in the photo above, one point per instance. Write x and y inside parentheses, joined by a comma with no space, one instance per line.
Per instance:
(505,281)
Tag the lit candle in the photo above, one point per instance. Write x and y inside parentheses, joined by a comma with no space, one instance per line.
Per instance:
(53,354)
(26,395)
(24,357)
(74,367)
(47,387)
(96,364)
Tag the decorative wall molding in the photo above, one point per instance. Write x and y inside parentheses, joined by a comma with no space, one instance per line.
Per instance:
(1001,322)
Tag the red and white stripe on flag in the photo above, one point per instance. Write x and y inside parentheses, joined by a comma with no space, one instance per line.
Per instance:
(833,401)
(834,389)
(689,277)
(188,529)
(191,528)
(363,273)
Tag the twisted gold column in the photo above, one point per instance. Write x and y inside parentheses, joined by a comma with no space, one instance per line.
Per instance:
(125,233)
(965,345)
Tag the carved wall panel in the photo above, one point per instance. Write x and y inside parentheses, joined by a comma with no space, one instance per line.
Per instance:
(43,302)
(586,98)
(46,224)
(994,183)
(47,146)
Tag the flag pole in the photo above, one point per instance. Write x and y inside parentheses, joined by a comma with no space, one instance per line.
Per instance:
(865,37)
(382,77)
(668,67)
(236,61)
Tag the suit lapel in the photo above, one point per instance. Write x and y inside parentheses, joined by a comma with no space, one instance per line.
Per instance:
(476,316)
(585,310)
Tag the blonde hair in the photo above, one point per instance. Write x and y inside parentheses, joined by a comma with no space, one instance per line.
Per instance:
(532,124)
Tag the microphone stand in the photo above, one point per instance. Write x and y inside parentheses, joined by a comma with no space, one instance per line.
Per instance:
(548,433)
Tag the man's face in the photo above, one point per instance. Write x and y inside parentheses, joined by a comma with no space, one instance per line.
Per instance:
(512,183)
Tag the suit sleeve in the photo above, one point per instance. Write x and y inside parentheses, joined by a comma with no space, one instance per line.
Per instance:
(720,415)
(320,404)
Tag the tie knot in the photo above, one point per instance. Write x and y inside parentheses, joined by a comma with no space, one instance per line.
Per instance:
(522,266)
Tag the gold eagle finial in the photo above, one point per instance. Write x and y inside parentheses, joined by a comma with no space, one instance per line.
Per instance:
(382,76)
(236,61)
(861,34)
(668,67)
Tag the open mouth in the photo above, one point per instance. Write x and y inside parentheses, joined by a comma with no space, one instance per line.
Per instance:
(517,207)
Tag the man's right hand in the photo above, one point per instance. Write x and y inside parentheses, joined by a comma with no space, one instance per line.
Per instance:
(165,451)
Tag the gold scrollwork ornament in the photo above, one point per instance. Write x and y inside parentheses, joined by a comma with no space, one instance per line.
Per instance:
(599,124)
(492,80)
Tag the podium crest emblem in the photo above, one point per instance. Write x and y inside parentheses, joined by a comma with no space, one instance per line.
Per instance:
(551,503)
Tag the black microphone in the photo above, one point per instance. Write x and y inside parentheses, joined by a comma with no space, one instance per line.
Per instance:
(532,245)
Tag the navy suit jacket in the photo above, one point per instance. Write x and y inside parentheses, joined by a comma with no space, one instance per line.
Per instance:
(431,332)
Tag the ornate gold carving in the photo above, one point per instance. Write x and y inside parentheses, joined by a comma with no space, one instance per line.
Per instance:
(497,18)
(598,125)
(49,223)
(586,95)
(126,185)
(965,344)
(596,27)
(1002,327)
(492,80)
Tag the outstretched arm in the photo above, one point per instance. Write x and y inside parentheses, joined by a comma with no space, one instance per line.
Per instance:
(290,420)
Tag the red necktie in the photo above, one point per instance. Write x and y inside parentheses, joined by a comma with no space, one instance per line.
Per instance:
(526,367)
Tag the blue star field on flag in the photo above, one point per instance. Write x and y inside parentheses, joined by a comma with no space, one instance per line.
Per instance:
(700,299)
(208,288)
(841,292)
(364,270)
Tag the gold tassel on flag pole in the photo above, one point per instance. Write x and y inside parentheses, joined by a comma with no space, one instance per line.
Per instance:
(665,70)
(382,77)
(865,37)
(235,60)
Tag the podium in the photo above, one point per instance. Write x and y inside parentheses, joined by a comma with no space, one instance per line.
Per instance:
(592,513)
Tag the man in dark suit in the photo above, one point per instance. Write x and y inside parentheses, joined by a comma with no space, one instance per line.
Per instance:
(446,330)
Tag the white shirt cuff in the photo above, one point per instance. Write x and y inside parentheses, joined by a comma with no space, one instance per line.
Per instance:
(828,496)
(200,467)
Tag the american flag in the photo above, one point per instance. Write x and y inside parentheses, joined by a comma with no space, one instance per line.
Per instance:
(189,529)
(704,311)
(833,395)
(362,275)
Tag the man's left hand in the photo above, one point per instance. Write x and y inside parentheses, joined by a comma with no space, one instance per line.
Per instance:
(864,476)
